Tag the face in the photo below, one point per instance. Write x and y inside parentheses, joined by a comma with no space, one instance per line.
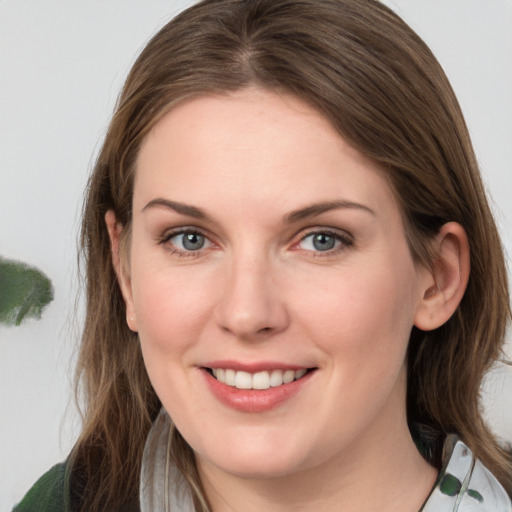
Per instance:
(271,284)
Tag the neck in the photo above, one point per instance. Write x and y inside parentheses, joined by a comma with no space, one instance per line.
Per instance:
(387,474)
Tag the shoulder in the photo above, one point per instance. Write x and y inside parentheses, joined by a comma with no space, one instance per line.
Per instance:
(465,484)
(59,490)
(49,493)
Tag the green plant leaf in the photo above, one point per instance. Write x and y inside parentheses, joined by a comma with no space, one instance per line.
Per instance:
(24,292)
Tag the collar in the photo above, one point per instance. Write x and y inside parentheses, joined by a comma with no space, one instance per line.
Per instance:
(162,486)
(465,484)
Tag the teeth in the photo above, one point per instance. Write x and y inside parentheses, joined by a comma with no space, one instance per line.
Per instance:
(288,376)
(243,380)
(259,380)
(276,378)
(230,377)
(300,373)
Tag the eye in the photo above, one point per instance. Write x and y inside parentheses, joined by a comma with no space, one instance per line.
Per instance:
(188,241)
(323,241)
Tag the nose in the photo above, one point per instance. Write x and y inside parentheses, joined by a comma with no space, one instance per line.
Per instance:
(251,305)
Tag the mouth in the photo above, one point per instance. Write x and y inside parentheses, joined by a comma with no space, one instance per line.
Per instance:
(258,380)
(255,387)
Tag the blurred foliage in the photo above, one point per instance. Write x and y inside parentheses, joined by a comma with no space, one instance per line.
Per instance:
(24,292)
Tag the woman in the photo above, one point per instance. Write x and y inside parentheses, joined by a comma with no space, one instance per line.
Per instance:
(294,281)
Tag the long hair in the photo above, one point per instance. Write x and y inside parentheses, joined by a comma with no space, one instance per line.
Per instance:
(380,86)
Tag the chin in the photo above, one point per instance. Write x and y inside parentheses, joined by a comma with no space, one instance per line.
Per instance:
(257,459)
(258,467)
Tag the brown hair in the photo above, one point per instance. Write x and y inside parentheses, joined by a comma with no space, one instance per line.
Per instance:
(361,66)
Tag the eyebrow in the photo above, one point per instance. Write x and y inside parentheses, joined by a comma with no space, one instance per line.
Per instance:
(319,208)
(295,216)
(182,208)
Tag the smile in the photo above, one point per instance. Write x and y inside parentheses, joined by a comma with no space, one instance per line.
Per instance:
(255,387)
(259,380)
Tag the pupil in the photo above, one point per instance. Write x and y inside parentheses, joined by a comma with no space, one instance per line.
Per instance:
(323,242)
(193,241)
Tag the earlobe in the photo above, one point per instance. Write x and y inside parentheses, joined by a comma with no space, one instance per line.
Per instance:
(115,229)
(444,287)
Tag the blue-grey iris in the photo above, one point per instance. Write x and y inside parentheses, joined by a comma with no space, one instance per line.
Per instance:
(323,242)
(193,241)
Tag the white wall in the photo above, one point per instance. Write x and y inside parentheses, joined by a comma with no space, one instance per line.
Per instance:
(61,66)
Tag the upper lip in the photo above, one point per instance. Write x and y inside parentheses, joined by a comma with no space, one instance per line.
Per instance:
(254,367)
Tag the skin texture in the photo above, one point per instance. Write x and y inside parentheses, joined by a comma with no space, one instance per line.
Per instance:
(259,290)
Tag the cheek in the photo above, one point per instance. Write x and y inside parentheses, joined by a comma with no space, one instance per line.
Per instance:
(364,314)
(171,306)
(172,310)
(363,322)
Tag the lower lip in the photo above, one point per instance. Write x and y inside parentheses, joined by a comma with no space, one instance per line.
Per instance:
(254,400)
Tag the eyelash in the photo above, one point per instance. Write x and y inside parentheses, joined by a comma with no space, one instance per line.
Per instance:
(344,241)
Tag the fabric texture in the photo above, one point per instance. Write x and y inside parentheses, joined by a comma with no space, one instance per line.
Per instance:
(49,493)
(465,484)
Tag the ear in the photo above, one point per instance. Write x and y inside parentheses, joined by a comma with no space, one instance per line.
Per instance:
(120,264)
(444,288)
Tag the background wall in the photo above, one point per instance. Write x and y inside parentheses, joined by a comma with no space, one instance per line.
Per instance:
(62,64)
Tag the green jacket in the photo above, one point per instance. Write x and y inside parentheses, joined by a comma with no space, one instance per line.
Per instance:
(49,493)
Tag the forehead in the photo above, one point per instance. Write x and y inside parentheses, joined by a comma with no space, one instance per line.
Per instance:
(252,147)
